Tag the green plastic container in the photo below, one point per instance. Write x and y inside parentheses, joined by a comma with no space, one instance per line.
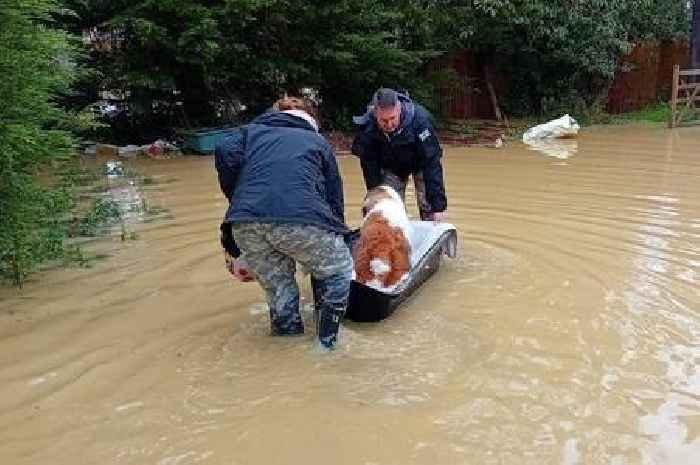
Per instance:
(204,140)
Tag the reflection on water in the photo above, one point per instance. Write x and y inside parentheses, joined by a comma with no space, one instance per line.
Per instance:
(557,148)
(126,193)
(565,332)
(672,440)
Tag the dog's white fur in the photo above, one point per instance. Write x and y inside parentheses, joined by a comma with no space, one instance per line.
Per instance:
(392,209)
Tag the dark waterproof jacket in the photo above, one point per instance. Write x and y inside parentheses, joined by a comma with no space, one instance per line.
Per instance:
(278,169)
(412,148)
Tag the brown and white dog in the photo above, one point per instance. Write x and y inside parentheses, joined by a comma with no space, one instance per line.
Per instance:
(382,254)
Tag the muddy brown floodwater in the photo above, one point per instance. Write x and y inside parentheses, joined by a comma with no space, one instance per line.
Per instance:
(566,332)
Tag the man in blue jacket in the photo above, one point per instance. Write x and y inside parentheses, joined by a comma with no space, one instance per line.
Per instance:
(286,206)
(397,139)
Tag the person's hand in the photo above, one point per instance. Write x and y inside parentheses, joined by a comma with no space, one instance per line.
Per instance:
(440,217)
(242,272)
(238,268)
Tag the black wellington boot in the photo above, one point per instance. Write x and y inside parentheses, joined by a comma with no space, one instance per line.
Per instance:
(329,318)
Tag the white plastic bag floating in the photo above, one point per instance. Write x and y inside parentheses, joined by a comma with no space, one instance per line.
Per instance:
(561,128)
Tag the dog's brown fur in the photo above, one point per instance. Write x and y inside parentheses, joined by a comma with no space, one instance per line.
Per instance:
(379,240)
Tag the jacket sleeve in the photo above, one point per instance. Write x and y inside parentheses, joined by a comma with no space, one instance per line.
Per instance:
(334,184)
(227,241)
(366,149)
(431,154)
(228,161)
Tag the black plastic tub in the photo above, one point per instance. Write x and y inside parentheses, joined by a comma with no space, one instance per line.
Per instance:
(429,241)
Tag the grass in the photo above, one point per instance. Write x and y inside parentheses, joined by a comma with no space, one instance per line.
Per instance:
(517,127)
(657,113)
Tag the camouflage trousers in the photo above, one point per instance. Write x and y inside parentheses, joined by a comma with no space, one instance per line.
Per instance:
(272,251)
(399,185)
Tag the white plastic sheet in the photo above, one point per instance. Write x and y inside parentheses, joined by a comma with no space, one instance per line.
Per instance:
(560,128)
(554,137)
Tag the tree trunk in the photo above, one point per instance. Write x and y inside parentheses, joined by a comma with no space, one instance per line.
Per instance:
(695,37)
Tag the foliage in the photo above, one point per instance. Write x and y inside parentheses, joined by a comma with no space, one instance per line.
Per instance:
(559,53)
(656,19)
(102,212)
(32,200)
(217,57)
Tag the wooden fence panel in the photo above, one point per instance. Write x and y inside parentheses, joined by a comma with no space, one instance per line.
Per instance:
(685,94)
(643,77)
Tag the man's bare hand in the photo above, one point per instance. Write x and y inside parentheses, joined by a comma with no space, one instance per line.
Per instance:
(239,269)
(440,217)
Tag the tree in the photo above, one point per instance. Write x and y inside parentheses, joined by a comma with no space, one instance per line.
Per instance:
(559,51)
(695,41)
(37,63)
(218,53)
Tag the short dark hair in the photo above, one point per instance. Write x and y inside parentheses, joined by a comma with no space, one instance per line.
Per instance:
(385,98)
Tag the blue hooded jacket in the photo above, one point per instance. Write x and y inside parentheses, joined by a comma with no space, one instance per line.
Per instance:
(412,148)
(278,169)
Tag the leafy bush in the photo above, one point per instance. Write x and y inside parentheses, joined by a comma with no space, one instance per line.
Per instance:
(37,63)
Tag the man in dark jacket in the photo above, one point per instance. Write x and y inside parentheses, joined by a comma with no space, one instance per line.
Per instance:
(286,206)
(396,140)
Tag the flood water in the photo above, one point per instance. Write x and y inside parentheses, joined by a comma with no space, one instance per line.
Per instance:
(567,330)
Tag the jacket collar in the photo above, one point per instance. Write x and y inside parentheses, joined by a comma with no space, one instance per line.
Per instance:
(282,119)
(303,115)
